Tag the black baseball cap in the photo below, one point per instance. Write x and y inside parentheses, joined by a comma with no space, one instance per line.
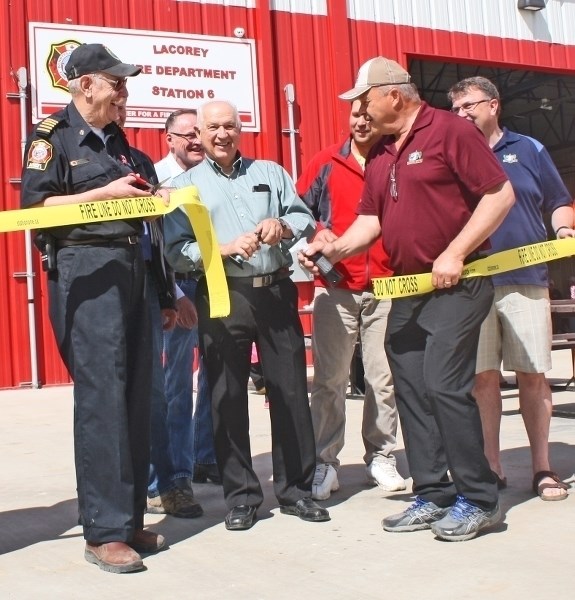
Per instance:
(95,58)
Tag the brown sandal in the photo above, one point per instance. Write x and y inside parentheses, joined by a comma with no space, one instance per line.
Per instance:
(539,487)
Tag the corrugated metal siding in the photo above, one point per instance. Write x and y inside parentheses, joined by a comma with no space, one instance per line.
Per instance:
(242,3)
(402,43)
(14,353)
(497,18)
(309,7)
(314,44)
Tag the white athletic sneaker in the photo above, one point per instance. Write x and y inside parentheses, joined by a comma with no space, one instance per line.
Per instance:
(324,482)
(384,474)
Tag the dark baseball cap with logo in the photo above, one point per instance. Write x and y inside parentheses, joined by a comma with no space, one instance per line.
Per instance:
(97,58)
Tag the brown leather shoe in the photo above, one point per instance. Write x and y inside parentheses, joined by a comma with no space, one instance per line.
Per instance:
(114,557)
(147,542)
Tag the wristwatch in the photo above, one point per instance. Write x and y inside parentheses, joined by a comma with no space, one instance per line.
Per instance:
(284,227)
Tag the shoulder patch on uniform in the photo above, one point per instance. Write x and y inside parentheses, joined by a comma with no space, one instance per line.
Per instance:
(39,155)
(47,126)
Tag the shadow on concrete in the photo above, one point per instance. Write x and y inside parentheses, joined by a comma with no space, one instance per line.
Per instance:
(516,464)
(27,526)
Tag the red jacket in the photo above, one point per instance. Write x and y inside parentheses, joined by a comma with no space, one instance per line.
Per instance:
(331,186)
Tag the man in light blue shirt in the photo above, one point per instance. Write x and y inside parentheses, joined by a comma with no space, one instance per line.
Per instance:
(257,215)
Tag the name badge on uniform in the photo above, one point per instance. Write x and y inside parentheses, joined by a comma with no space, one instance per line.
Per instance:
(79,161)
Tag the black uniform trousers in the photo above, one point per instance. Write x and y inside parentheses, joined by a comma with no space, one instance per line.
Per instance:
(100,317)
(431,343)
(269,316)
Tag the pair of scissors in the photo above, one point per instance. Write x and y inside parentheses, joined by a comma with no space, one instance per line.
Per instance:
(238,258)
(151,188)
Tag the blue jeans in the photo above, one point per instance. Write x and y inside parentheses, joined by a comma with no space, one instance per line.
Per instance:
(190,434)
(161,467)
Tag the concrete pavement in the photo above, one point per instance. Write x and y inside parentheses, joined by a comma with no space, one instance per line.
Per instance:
(281,557)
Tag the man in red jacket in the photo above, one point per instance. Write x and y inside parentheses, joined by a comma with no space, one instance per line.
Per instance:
(331,186)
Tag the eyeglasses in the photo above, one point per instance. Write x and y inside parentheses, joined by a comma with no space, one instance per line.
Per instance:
(117,84)
(189,137)
(468,107)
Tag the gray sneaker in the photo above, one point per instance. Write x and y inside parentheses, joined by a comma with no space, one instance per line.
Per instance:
(420,515)
(464,521)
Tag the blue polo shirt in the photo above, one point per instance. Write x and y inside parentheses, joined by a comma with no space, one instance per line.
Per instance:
(538,189)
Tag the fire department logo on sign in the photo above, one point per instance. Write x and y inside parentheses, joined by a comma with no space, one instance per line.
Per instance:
(57,59)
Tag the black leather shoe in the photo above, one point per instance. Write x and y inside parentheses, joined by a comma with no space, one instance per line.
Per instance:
(203,473)
(307,510)
(241,517)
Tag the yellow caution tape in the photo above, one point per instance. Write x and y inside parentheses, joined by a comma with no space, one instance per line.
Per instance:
(211,257)
(129,208)
(92,212)
(508,260)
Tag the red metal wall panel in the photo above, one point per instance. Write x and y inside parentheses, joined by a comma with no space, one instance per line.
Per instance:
(318,54)
(157,15)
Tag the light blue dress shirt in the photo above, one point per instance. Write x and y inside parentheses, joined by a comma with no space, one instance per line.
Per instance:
(256,190)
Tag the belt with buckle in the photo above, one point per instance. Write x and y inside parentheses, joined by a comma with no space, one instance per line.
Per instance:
(129,240)
(258,281)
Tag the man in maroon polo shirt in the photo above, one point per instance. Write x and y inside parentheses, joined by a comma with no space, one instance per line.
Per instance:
(434,193)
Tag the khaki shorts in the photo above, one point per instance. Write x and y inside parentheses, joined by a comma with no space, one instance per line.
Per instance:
(517,330)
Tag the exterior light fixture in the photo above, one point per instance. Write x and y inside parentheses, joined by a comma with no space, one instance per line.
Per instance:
(530,4)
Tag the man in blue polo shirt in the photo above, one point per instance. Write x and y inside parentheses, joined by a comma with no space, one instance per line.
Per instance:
(518,328)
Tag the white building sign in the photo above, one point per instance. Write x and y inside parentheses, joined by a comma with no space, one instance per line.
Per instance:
(178,71)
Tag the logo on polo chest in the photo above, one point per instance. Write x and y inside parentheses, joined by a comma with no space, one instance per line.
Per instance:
(415,157)
(510,158)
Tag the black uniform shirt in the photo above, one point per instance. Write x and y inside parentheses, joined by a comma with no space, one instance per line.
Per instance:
(64,156)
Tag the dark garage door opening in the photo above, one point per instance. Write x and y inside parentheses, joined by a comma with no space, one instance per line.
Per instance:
(540,104)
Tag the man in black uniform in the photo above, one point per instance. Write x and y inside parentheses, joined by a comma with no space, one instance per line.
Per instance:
(98,308)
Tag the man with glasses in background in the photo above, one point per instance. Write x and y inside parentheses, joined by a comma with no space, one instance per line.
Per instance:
(433,193)
(518,327)
(190,436)
(98,308)
(165,496)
